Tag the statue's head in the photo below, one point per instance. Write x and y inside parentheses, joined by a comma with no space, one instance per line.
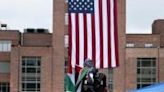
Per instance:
(88,63)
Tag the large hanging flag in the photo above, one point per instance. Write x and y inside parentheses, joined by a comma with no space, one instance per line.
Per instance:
(93,32)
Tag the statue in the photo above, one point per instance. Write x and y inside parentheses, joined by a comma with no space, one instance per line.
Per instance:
(90,80)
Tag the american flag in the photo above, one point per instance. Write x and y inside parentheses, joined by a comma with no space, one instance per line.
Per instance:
(93,32)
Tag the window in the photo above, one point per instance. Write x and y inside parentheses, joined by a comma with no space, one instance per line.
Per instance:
(66,18)
(31,74)
(66,41)
(4,87)
(130,45)
(110,80)
(149,45)
(146,72)
(5,46)
(4,67)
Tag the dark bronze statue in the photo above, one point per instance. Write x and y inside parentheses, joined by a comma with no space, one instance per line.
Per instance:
(90,80)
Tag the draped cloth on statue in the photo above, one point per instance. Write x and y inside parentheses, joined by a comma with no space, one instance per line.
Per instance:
(82,74)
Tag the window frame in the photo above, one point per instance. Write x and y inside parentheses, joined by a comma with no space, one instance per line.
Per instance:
(146,72)
(130,45)
(33,77)
(5,85)
(148,45)
(5,45)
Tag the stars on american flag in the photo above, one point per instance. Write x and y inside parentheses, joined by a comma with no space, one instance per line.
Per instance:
(81,6)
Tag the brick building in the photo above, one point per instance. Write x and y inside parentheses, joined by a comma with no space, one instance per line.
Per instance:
(140,54)
(61,29)
(144,57)
(25,60)
(34,61)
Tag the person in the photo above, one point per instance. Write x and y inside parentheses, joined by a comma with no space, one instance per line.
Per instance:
(85,80)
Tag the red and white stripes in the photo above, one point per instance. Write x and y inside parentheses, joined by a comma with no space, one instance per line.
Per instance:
(94,35)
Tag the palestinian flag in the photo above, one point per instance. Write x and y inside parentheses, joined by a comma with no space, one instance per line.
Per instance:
(73,78)
(69,82)
(81,76)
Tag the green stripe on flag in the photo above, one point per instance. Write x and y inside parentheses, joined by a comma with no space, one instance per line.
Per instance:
(81,76)
(69,85)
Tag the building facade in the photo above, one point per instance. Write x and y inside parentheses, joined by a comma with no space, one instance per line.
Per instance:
(144,57)
(34,61)
(25,60)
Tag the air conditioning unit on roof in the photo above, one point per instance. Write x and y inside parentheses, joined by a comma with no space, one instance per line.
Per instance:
(29,30)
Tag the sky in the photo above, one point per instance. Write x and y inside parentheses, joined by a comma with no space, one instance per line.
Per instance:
(20,14)
(140,15)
